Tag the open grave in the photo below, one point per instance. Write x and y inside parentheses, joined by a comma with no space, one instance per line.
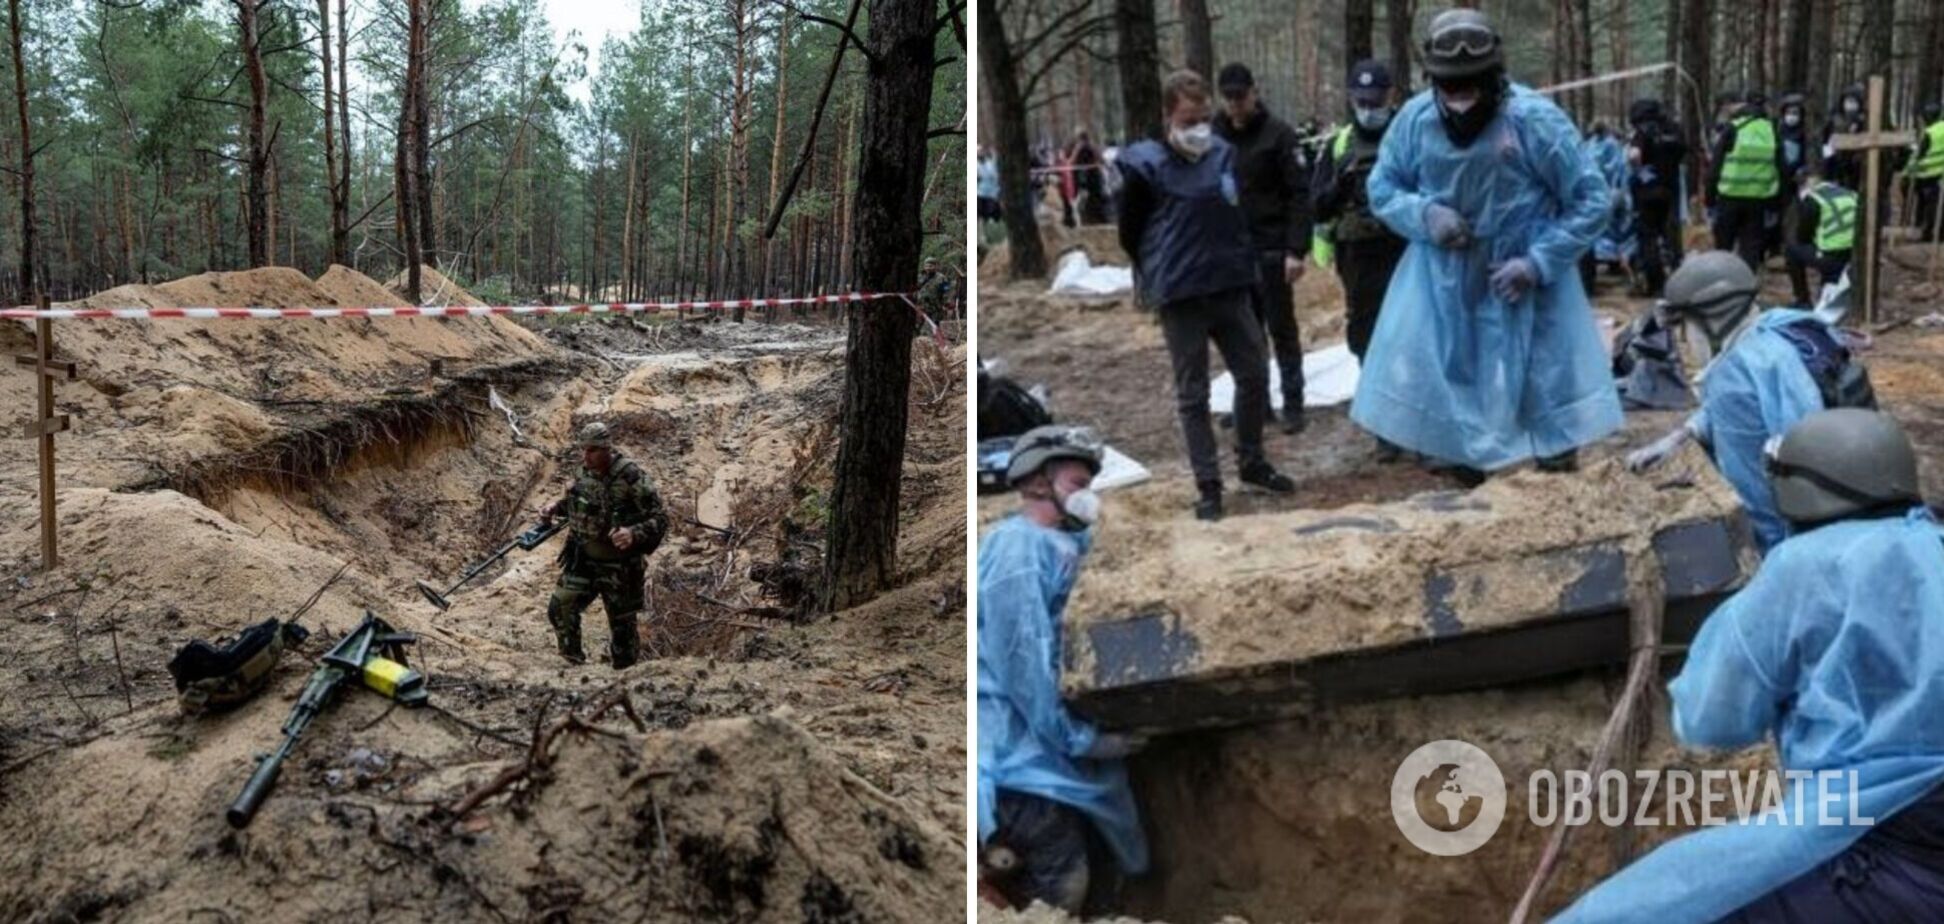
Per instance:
(1289,657)
(763,766)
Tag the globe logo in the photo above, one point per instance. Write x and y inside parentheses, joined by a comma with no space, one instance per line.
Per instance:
(1448,798)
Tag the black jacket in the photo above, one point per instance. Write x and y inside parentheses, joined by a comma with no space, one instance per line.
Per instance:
(1271,169)
(1661,152)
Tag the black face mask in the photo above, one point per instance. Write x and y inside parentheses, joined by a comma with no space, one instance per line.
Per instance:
(1464,127)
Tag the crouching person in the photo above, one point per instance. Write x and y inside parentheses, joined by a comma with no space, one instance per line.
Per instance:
(1836,649)
(1051,786)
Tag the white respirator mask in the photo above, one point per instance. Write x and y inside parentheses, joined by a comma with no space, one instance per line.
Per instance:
(1081,509)
(1193,141)
(1373,119)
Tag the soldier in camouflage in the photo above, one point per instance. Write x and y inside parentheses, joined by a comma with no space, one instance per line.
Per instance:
(934,290)
(615,519)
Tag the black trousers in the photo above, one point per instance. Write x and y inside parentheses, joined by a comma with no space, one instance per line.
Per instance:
(1740,225)
(1228,318)
(1658,230)
(1803,257)
(1895,872)
(1276,310)
(1365,268)
(1927,195)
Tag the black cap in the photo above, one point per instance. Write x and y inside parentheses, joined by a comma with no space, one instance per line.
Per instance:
(1370,81)
(1235,78)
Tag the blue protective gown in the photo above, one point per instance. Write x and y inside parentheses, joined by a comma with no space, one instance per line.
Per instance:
(1028,741)
(1836,647)
(1454,372)
(1616,238)
(1757,388)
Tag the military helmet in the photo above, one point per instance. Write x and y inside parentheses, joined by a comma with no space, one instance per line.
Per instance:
(1462,43)
(595,435)
(210,677)
(1838,463)
(1041,445)
(1709,285)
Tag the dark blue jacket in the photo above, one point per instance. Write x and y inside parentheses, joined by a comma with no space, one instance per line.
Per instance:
(1182,222)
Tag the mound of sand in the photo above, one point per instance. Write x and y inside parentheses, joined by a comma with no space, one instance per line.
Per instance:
(135,373)
(435,288)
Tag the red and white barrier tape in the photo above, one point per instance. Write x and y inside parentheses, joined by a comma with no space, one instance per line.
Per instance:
(433,311)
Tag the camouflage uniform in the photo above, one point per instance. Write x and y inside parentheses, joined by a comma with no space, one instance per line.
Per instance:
(933,289)
(594,506)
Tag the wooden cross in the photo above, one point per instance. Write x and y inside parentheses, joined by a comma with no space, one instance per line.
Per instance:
(1871,143)
(46,369)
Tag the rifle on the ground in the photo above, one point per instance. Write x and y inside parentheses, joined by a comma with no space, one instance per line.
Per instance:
(374,653)
(525,542)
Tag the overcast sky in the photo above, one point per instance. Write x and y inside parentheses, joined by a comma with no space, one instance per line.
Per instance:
(595,20)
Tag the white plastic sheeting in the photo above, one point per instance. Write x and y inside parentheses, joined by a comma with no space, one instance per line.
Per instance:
(1329,378)
(1078,276)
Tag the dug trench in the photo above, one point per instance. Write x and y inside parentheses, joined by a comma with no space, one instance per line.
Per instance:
(1290,819)
(758,764)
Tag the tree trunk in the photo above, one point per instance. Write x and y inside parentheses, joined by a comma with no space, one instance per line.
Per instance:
(1399,13)
(341,224)
(1930,57)
(29,237)
(256,146)
(684,231)
(1000,77)
(407,160)
(1140,69)
(776,142)
(334,194)
(861,545)
(1696,18)
(1583,56)
(1877,26)
(1198,38)
(739,115)
(1359,20)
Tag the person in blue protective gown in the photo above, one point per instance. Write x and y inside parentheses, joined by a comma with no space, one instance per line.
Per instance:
(1048,781)
(1486,352)
(1768,370)
(1614,243)
(1836,648)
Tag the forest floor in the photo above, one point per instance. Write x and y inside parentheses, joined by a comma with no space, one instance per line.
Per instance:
(220,473)
(1300,803)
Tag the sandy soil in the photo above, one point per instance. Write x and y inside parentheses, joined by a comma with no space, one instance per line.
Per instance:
(783,770)
(1302,806)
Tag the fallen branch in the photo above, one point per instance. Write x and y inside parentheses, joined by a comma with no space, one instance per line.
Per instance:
(540,755)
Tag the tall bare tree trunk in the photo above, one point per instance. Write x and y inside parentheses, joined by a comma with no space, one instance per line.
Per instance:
(1140,68)
(407,160)
(1359,20)
(683,231)
(29,227)
(999,74)
(739,116)
(341,223)
(334,193)
(1399,15)
(1930,57)
(776,142)
(1877,28)
(1198,38)
(861,545)
(256,146)
(1697,16)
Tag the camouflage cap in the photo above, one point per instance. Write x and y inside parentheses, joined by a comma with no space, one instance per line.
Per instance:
(596,435)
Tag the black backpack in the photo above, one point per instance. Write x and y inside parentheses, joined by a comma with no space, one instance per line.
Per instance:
(1006,408)
(1842,380)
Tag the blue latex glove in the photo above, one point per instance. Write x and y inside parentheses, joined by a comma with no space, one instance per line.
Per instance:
(1512,279)
(1447,228)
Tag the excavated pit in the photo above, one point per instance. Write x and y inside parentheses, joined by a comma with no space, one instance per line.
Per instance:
(1311,721)
(223,473)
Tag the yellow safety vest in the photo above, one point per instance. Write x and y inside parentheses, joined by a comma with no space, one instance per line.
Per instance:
(1749,171)
(1835,217)
(1322,245)
(1932,165)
